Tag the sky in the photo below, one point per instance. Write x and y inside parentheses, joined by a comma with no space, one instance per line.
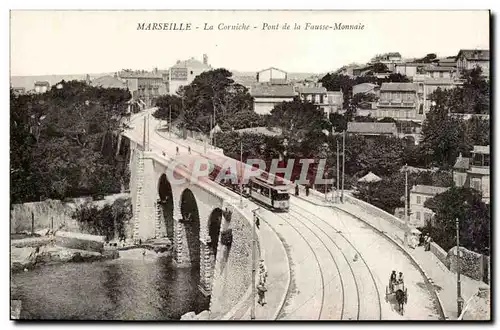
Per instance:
(79,42)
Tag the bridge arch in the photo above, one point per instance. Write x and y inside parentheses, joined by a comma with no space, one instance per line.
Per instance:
(166,202)
(191,222)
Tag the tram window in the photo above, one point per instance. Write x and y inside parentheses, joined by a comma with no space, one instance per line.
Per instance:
(280,196)
(265,191)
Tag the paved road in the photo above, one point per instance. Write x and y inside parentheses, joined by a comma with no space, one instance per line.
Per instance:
(339,266)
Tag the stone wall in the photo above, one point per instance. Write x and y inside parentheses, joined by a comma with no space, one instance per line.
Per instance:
(233,271)
(441,254)
(471,263)
(50,213)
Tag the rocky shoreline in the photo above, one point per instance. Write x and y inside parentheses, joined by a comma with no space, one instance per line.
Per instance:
(26,258)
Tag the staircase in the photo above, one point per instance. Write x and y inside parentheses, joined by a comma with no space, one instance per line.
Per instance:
(139,193)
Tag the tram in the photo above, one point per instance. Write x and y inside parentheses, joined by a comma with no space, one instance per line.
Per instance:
(272,193)
(274,196)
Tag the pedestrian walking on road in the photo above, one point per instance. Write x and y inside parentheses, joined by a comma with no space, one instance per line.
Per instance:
(163,153)
(177,150)
(261,286)
(307,190)
(189,150)
(297,190)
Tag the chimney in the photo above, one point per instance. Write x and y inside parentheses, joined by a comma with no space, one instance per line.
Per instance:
(205,59)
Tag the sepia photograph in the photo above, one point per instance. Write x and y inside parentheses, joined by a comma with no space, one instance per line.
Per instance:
(241,165)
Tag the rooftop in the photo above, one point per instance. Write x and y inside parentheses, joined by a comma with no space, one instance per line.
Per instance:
(372,128)
(42,83)
(261,130)
(475,54)
(462,163)
(432,68)
(192,63)
(271,68)
(428,190)
(481,150)
(312,90)
(364,87)
(140,74)
(109,82)
(264,90)
(399,87)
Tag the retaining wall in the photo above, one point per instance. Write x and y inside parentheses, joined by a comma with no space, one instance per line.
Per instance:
(233,270)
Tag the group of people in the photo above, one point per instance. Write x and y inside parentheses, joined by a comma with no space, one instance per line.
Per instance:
(396,279)
(426,241)
(261,285)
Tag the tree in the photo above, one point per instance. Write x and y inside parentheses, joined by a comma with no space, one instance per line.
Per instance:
(395,77)
(244,119)
(296,116)
(442,136)
(64,140)
(213,92)
(380,68)
(473,214)
(169,106)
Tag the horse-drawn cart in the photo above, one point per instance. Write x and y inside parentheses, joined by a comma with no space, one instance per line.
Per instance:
(397,288)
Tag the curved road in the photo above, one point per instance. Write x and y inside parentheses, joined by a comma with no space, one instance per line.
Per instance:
(340,267)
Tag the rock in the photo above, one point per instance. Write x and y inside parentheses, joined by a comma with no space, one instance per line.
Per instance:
(188,316)
(15,309)
(205,315)
(22,258)
(80,241)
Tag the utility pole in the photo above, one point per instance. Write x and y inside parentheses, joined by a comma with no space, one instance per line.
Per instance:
(406,206)
(148,133)
(459,286)
(144,135)
(211,133)
(240,179)
(169,120)
(343,165)
(254,256)
(338,171)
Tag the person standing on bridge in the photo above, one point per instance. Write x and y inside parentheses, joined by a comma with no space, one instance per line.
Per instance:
(261,286)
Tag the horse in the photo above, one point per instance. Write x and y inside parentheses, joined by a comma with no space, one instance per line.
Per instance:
(400,298)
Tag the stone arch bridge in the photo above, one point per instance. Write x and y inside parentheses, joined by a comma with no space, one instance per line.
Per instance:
(194,216)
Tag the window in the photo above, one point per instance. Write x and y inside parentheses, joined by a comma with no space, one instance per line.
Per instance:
(427,218)
(417,215)
(486,161)
(440,74)
(419,200)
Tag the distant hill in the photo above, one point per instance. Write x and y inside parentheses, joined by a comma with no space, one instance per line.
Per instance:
(28,82)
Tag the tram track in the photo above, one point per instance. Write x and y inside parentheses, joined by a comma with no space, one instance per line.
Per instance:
(367,310)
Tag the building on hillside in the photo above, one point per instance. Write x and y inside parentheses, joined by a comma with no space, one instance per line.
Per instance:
(362,71)
(184,72)
(144,86)
(18,90)
(440,72)
(430,85)
(109,82)
(421,216)
(468,59)
(267,96)
(447,62)
(474,172)
(335,102)
(389,59)
(366,88)
(41,86)
(372,129)
(272,75)
(409,69)
(314,94)
(401,101)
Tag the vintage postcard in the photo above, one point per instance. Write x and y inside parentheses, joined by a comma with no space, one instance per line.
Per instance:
(250,165)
